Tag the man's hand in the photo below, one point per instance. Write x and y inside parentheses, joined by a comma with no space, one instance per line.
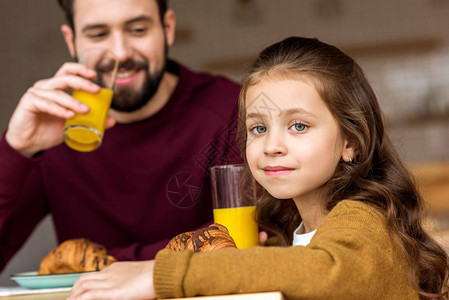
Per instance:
(38,120)
(121,280)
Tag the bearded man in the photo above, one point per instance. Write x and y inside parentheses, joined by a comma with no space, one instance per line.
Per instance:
(149,180)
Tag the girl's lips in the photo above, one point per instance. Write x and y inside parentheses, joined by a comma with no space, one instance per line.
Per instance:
(277,170)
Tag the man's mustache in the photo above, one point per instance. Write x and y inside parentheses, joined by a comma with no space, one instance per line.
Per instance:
(127,64)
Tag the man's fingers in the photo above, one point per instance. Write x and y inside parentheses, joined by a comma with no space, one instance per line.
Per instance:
(72,68)
(57,103)
(67,82)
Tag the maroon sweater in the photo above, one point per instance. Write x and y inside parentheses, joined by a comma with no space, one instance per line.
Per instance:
(147,182)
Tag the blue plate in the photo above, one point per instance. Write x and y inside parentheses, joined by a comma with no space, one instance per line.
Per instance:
(33,281)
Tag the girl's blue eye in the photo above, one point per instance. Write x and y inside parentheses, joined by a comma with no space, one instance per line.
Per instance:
(259,129)
(298,127)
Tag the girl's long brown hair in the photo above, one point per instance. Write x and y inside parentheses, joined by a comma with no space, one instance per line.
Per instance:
(376,175)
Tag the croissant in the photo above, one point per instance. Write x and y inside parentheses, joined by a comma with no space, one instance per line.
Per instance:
(73,256)
(212,238)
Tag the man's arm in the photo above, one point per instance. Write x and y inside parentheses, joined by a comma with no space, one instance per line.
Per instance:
(37,124)
(22,200)
(140,251)
(38,120)
(137,251)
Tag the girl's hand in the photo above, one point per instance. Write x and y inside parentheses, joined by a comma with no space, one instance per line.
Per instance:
(121,280)
(263,237)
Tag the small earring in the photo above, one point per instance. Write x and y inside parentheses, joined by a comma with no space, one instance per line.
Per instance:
(350,159)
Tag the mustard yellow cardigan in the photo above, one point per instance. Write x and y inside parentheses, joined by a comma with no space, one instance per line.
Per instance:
(353,255)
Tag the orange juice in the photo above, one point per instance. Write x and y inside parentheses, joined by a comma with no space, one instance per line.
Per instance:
(240,223)
(85,131)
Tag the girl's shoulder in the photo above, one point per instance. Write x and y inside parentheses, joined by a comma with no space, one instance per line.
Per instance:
(356,204)
(357,225)
(353,213)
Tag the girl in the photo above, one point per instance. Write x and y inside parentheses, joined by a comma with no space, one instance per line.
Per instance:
(332,186)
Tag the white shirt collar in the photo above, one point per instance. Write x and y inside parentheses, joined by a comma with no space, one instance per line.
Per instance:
(300,238)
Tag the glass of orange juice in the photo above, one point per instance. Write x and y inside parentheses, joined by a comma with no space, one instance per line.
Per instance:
(85,132)
(230,209)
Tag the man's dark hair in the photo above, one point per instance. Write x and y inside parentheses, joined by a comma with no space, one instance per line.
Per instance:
(67,6)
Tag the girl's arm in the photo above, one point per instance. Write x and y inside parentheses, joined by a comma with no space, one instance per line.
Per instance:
(352,255)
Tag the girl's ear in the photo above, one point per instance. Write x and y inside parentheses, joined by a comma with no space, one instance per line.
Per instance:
(348,154)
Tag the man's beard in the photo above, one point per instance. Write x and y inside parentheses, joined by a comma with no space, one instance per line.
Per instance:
(127,99)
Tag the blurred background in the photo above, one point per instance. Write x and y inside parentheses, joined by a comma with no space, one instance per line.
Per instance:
(402,45)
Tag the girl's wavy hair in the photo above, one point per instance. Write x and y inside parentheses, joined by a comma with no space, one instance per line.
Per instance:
(67,7)
(376,174)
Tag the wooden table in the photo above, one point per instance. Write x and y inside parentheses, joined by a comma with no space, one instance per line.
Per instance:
(64,295)
(253,296)
(46,296)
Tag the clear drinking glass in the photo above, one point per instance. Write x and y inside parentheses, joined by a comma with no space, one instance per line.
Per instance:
(85,131)
(230,210)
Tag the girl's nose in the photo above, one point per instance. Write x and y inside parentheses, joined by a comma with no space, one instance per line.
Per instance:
(275,145)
